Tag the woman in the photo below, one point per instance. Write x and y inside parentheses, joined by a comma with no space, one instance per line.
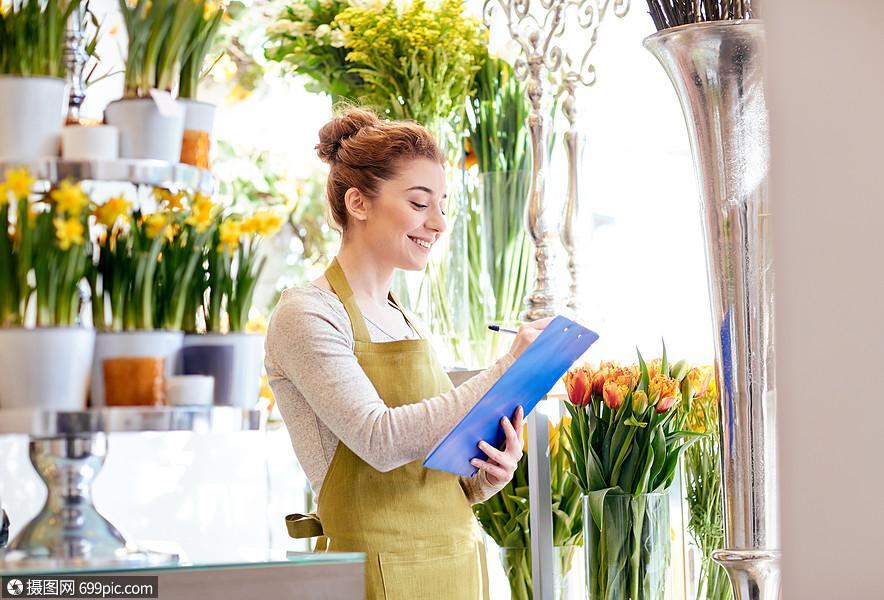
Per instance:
(363,396)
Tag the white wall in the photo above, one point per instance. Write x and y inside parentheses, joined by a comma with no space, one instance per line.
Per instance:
(826,94)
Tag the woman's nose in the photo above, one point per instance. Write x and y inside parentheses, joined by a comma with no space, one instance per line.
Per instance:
(436,220)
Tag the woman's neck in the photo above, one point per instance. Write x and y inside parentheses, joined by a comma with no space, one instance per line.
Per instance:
(369,279)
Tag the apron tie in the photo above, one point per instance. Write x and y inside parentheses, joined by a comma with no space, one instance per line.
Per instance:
(303,526)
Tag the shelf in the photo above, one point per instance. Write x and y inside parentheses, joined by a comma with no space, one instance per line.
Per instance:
(157,173)
(210,419)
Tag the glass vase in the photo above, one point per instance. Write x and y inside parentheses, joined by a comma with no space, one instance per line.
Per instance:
(499,259)
(628,557)
(568,576)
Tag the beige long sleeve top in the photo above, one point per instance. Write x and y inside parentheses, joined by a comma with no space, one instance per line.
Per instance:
(325,397)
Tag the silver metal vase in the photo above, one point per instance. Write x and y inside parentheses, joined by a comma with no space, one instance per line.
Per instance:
(717,69)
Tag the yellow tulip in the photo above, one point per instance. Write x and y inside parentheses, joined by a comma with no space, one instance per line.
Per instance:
(639,402)
(68,232)
(70,198)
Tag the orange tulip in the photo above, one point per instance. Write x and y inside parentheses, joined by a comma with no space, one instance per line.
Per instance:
(664,392)
(614,394)
(578,384)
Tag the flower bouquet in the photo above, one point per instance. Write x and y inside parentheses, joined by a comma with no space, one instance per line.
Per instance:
(505,517)
(307,38)
(626,437)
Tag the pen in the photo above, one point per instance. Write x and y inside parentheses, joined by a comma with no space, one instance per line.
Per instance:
(500,329)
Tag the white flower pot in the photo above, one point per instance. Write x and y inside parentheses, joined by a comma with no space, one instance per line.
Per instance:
(145,132)
(45,368)
(199,118)
(90,142)
(248,360)
(32,112)
(115,344)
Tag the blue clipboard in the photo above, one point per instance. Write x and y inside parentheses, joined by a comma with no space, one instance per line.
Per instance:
(527,380)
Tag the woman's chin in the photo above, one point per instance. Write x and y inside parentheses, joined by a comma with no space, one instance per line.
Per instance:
(414,265)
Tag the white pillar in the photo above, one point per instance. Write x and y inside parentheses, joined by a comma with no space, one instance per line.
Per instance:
(826,100)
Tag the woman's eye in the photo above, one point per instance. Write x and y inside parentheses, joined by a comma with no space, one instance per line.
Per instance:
(418,205)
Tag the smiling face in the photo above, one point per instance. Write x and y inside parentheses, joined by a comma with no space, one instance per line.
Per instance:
(406,218)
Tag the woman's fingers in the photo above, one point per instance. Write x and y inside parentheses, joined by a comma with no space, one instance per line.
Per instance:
(512,438)
(492,452)
(518,422)
(495,472)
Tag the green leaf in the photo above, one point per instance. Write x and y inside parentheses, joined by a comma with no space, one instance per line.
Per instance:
(596,501)
(633,422)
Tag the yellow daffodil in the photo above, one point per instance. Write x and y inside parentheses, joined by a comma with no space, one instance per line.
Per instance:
(257,325)
(168,199)
(70,198)
(229,233)
(68,232)
(202,212)
(155,224)
(265,223)
(114,209)
(19,182)
(4,194)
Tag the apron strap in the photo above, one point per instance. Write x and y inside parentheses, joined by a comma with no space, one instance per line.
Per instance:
(303,526)
(398,306)
(338,282)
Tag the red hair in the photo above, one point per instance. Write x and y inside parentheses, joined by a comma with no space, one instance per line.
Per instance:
(362,151)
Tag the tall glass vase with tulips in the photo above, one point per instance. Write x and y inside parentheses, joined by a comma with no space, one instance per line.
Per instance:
(505,517)
(626,437)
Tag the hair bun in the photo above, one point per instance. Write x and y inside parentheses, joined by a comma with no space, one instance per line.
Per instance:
(347,124)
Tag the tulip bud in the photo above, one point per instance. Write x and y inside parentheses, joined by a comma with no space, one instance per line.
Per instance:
(639,402)
(679,370)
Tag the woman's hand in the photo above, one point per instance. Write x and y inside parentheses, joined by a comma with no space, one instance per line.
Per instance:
(528,332)
(502,464)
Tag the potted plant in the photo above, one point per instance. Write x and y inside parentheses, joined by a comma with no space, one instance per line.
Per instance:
(233,266)
(33,92)
(44,253)
(198,116)
(141,277)
(150,120)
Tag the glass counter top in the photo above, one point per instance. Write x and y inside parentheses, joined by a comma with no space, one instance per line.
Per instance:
(260,559)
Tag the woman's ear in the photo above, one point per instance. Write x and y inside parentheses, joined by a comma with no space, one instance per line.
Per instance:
(356,203)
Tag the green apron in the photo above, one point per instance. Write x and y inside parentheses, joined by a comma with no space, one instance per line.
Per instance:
(415,525)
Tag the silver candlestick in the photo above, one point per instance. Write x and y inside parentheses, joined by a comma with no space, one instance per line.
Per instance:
(573,74)
(535,34)
(543,33)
